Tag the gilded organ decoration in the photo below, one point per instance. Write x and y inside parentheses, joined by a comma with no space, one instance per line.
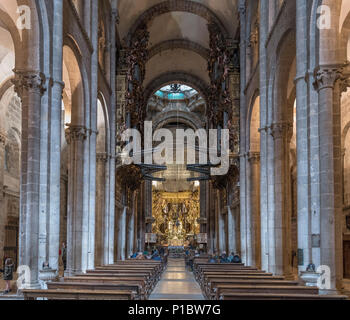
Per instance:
(219,63)
(176,216)
(136,58)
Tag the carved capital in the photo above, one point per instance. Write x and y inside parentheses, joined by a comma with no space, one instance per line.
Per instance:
(31,81)
(254,157)
(281,130)
(326,77)
(75,133)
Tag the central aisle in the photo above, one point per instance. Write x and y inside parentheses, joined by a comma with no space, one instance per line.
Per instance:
(177,283)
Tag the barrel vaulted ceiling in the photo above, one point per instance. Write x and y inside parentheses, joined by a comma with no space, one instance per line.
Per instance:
(179,37)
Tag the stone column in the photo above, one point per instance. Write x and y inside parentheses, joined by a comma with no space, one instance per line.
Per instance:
(100,225)
(328,87)
(55,127)
(130,227)
(216,246)
(232,232)
(281,133)
(63,208)
(2,204)
(242,174)
(87,16)
(203,207)
(208,215)
(248,58)
(222,230)
(245,237)
(112,143)
(75,135)
(148,206)
(140,222)
(93,25)
(249,249)
(135,224)
(106,219)
(303,142)
(29,87)
(254,191)
(122,233)
(264,137)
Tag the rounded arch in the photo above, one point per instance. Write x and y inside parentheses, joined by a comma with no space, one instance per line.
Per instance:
(170,77)
(285,75)
(253,124)
(182,117)
(102,125)
(9,25)
(75,78)
(178,44)
(345,37)
(181,6)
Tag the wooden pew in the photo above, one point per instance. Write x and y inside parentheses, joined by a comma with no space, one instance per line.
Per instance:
(207,279)
(55,294)
(278,296)
(113,279)
(136,276)
(145,289)
(136,288)
(156,266)
(151,280)
(223,282)
(200,267)
(205,274)
(275,289)
(163,263)
(206,288)
(210,289)
(154,272)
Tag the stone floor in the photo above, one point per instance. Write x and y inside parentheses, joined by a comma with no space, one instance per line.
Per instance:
(177,283)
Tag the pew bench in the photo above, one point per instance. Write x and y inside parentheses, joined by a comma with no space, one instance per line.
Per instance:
(233,273)
(154,272)
(55,294)
(146,288)
(136,288)
(208,279)
(209,290)
(228,289)
(278,296)
(151,280)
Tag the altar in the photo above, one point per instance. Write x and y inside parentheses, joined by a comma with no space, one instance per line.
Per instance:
(176,217)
